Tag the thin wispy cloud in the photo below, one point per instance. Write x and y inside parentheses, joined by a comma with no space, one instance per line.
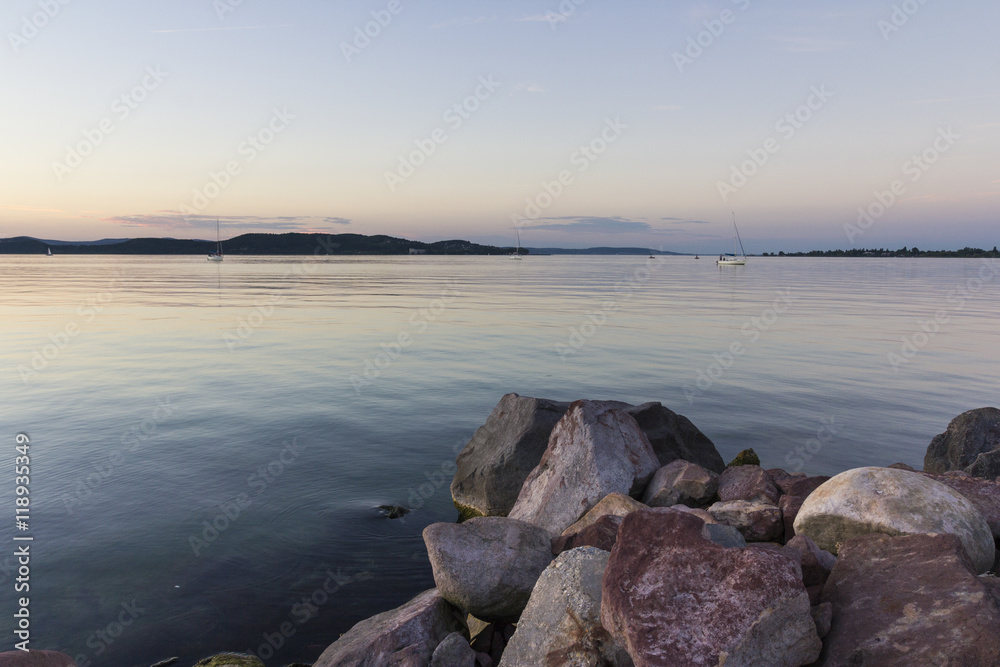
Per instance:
(173,220)
(32,209)
(524,86)
(684,221)
(218,28)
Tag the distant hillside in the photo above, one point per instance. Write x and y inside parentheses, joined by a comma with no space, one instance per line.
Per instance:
(256,244)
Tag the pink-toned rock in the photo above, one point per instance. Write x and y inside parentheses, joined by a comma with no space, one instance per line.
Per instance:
(823,617)
(615,504)
(790,506)
(681,482)
(801,486)
(405,635)
(36,659)
(983,494)
(816,563)
(600,534)
(747,482)
(594,450)
(909,600)
(698,512)
(757,521)
(672,597)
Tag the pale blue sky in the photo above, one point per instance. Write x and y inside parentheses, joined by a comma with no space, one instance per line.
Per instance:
(672,133)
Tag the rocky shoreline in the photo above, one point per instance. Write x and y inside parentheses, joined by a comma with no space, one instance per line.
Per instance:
(601,533)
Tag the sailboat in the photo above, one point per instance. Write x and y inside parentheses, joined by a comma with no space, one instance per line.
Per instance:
(517,253)
(48,252)
(736,259)
(216,255)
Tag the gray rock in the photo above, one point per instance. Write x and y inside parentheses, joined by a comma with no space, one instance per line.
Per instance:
(971,443)
(727,536)
(409,632)
(892,502)
(681,483)
(823,617)
(454,651)
(502,452)
(165,663)
(35,658)
(816,564)
(487,566)
(747,482)
(673,437)
(562,622)
(757,521)
(594,450)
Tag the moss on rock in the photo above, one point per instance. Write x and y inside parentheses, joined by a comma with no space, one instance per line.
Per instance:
(230,660)
(466,511)
(748,457)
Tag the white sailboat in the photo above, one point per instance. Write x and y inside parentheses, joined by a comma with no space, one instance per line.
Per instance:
(216,255)
(737,259)
(49,252)
(517,253)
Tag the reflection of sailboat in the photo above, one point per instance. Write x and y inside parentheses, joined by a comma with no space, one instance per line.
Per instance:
(736,259)
(216,256)
(517,253)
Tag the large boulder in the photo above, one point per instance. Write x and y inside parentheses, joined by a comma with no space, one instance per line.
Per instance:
(487,566)
(747,482)
(594,450)
(983,494)
(454,651)
(757,521)
(892,502)
(909,600)
(800,486)
(681,483)
(613,504)
(970,443)
(502,452)
(409,632)
(672,597)
(34,658)
(562,623)
(673,437)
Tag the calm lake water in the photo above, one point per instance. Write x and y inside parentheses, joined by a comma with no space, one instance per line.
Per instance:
(209,442)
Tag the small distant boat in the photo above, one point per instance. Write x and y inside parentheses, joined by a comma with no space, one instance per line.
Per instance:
(216,256)
(48,252)
(735,259)
(697,257)
(517,253)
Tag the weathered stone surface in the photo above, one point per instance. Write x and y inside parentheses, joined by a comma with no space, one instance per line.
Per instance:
(816,563)
(747,457)
(487,566)
(681,482)
(823,616)
(230,660)
(789,506)
(696,511)
(892,502)
(672,597)
(162,663)
(983,494)
(909,600)
(727,536)
(35,659)
(411,631)
(502,453)
(801,486)
(779,473)
(747,482)
(757,521)
(453,651)
(600,534)
(562,623)
(902,466)
(594,450)
(970,443)
(615,504)
(673,437)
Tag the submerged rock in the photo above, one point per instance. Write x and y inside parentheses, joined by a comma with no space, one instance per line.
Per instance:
(892,502)
(502,453)
(594,450)
(910,600)
(672,597)
(393,511)
(408,633)
(562,623)
(970,443)
(487,566)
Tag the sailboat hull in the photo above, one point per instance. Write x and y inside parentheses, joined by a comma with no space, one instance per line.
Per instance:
(731,262)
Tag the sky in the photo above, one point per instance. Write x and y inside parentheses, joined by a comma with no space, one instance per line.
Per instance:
(817,125)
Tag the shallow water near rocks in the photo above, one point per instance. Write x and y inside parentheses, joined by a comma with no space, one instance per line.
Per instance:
(210,442)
